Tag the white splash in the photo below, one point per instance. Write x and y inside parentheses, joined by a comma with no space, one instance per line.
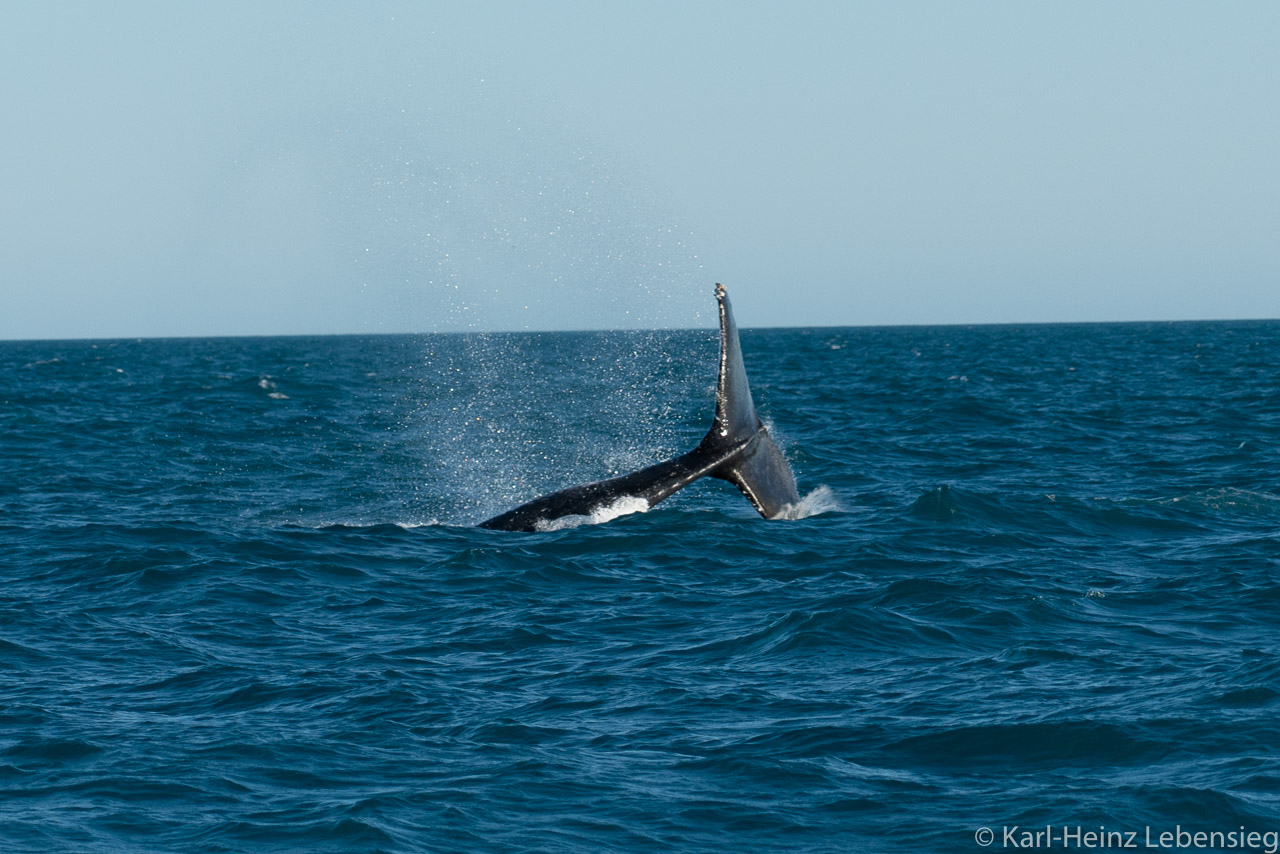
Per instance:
(624,506)
(821,500)
(322,524)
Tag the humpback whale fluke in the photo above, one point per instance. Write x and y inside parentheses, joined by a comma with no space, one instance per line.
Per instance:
(737,448)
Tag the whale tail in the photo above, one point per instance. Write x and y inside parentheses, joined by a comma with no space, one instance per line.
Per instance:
(738,449)
(754,462)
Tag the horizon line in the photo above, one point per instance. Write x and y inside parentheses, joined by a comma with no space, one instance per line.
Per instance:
(957,325)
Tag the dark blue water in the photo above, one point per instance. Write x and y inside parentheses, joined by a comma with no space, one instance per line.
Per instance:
(241,608)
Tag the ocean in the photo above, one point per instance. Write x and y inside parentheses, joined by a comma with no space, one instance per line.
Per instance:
(1037,587)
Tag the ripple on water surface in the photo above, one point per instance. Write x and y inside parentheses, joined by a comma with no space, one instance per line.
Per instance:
(1033,582)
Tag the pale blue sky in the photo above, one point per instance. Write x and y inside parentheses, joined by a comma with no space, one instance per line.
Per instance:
(295,167)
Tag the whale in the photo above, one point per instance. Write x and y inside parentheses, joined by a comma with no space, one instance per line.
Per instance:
(738,448)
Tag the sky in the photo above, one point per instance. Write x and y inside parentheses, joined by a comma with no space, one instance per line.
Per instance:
(175,169)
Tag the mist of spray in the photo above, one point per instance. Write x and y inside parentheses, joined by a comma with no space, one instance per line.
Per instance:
(476,222)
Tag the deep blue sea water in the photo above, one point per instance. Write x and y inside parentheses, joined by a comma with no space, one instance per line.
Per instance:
(242,608)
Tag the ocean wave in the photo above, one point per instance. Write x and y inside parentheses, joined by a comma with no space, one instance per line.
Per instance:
(237,623)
